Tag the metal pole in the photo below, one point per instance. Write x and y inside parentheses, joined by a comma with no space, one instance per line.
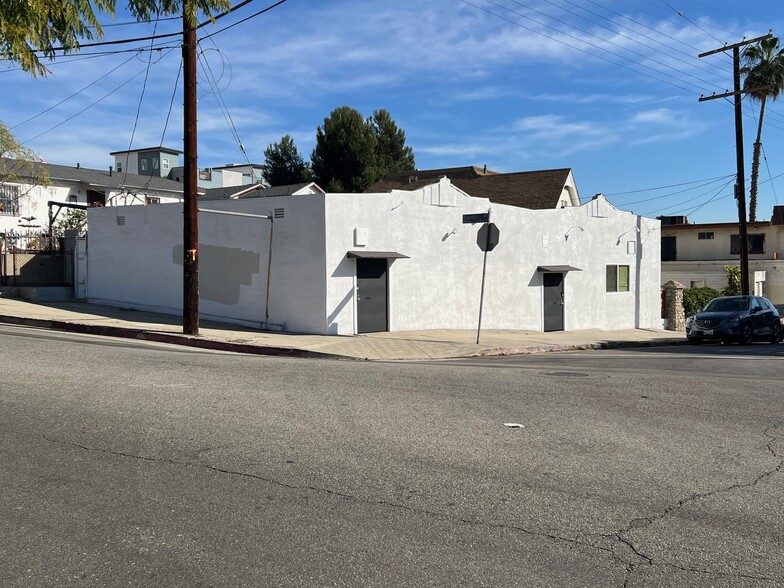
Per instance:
(190,266)
(269,270)
(484,271)
(740,192)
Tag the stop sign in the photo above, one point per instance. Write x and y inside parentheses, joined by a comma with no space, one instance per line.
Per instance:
(487,237)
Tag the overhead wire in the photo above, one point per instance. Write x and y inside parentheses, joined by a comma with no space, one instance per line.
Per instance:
(89,106)
(594,45)
(64,100)
(618,30)
(576,48)
(224,108)
(139,106)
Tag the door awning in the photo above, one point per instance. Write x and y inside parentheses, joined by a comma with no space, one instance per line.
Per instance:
(558,268)
(376,255)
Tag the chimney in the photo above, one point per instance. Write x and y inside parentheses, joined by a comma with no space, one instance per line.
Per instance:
(77,165)
(110,170)
(484,169)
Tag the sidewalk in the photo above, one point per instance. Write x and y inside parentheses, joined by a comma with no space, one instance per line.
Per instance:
(82,317)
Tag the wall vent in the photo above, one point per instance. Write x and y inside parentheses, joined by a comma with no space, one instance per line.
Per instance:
(120,220)
(279,213)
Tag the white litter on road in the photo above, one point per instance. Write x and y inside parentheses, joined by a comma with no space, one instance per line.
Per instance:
(514,425)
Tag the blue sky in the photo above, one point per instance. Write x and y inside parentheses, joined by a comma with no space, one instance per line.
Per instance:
(608,88)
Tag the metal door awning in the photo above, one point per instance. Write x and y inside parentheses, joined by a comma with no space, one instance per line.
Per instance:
(376,255)
(558,268)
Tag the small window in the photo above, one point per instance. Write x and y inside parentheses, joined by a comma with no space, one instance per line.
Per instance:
(756,244)
(165,162)
(72,198)
(119,167)
(617,278)
(152,200)
(9,200)
(705,235)
(143,163)
(154,163)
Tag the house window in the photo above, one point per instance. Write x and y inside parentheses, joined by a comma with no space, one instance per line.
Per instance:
(669,250)
(617,278)
(152,200)
(72,198)
(756,244)
(154,163)
(705,235)
(143,163)
(165,162)
(9,200)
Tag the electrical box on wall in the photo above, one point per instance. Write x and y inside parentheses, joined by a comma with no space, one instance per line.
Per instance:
(360,237)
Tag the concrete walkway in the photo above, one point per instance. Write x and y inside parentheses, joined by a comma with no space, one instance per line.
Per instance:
(82,317)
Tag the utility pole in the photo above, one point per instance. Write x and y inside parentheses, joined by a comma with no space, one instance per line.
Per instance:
(190,239)
(740,182)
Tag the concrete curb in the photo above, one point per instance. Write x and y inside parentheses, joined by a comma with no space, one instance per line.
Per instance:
(532,349)
(170,338)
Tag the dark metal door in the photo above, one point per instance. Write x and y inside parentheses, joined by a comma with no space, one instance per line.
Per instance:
(553,301)
(372,295)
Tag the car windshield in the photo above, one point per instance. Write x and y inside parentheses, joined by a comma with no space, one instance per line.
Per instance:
(728,305)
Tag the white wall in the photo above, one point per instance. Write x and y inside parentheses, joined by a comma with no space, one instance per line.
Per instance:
(139,263)
(439,286)
(312,289)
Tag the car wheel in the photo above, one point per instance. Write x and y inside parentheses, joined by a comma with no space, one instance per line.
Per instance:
(775,335)
(746,334)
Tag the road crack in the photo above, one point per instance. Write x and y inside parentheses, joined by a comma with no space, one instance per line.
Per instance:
(641,523)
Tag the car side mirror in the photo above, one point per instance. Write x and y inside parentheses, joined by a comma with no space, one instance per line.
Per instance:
(754,310)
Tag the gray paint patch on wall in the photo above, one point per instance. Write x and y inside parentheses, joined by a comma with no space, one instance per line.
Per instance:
(222,270)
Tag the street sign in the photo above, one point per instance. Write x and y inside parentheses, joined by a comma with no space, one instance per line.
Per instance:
(482,217)
(487,237)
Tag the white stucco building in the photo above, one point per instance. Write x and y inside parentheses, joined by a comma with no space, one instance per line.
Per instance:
(400,260)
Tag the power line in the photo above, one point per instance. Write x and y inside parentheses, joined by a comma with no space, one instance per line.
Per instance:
(86,108)
(64,100)
(260,12)
(139,106)
(154,37)
(581,50)
(593,44)
(225,110)
(669,186)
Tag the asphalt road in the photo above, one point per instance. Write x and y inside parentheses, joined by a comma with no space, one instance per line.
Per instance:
(127,463)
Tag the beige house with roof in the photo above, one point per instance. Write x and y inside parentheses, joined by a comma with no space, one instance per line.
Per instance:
(695,254)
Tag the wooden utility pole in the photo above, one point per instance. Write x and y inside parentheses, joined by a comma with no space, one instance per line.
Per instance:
(740,182)
(190,238)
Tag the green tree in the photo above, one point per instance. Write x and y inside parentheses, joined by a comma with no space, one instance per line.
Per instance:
(31,26)
(18,164)
(733,281)
(763,68)
(343,159)
(73,220)
(696,298)
(283,164)
(392,153)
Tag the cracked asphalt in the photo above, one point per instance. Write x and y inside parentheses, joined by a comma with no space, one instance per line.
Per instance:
(128,463)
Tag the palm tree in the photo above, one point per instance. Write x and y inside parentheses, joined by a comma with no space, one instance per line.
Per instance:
(763,68)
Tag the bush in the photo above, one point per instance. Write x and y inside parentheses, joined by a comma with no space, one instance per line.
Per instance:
(696,298)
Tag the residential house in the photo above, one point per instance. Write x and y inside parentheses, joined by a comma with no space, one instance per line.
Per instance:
(147,161)
(695,254)
(535,190)
(24,205)
(394,260)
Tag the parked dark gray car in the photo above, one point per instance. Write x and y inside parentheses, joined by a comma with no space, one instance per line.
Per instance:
(735,318)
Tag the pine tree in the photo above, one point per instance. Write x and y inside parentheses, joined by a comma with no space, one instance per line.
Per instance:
(344,157)
(283,164)
(392,153)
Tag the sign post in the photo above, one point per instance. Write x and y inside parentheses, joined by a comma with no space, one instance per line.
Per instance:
(487,238)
